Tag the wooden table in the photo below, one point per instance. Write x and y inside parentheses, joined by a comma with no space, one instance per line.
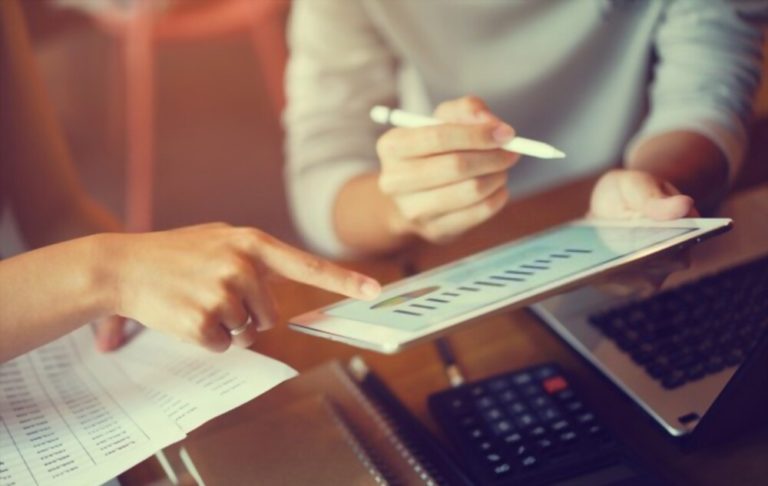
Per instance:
(499,344)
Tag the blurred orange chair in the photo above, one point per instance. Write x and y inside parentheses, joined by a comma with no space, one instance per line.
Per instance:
(140,27)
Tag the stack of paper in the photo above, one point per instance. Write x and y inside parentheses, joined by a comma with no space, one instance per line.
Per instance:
(71,415)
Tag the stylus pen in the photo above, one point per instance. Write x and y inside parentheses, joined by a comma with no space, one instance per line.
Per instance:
(404,119)
(444,349)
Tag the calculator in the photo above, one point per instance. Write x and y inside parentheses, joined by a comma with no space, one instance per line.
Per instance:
(531,427)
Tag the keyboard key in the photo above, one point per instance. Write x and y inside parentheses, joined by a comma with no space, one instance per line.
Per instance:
(684,334)
(528,462)
(568,436)
(537,431)
(513,438)
(522,450)
(560,425)
(544,444)
(493,457)
(502,469)
(485,445)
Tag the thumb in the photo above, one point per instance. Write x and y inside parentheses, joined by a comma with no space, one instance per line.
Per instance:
(109,333)
(656,198)
(663,208)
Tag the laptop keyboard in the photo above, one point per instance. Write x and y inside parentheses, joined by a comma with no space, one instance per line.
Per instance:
(523,427)
(700,328)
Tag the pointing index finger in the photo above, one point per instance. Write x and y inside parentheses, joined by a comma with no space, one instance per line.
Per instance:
(312,270)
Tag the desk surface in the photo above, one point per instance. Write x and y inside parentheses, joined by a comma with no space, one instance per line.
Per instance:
(499,344)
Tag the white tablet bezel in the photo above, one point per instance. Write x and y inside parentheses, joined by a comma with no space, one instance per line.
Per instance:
(389,340)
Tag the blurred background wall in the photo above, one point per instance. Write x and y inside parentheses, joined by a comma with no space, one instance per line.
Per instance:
(217,140)
(217,151)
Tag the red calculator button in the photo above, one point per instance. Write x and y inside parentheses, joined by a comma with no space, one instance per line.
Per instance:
(555,384)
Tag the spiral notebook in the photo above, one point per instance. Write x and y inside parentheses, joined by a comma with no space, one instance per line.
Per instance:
(335,424)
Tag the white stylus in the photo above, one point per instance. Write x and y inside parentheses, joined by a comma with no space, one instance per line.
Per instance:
(400,118)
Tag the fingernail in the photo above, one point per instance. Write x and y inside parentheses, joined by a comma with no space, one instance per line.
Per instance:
(503,133)
(370,289)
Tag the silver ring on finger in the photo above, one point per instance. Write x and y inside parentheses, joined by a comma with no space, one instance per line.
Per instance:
(239,330)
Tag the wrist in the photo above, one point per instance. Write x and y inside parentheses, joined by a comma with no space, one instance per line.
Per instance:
(102,272)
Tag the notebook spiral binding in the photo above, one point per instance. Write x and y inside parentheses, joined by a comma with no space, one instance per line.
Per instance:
(373,464)
(396,435)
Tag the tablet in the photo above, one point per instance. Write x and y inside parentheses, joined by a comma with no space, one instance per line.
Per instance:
(511,275)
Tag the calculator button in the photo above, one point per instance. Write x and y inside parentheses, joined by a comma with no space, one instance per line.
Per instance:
(507,396)
(498,384)
(493,414)
(525,420)
(468,421)
(477,390)
(545,372)
(485,445)
(522,379)
(574,406)
(458,405)
(586,418)
(477,433)
(485,402)
(541,401)
(560,425)
(502,427)
(549,414)
(531,390)
(565,395)
(538,431)
(555,384)
(517,408)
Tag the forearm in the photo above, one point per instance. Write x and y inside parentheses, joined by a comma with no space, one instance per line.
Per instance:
(366,220)
(47,293)
(689,161)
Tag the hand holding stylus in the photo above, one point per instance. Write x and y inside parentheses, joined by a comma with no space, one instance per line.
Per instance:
(445,179)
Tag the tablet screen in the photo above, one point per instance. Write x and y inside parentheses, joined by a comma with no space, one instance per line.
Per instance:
(499,274)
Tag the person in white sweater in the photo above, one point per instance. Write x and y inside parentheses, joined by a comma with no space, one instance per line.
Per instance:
(656,94)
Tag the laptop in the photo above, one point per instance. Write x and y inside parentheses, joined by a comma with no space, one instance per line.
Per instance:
(694,356)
